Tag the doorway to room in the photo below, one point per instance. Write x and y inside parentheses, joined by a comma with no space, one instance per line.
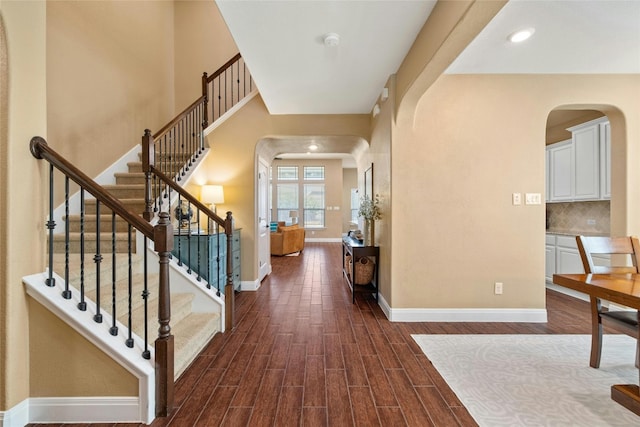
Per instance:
(578,185)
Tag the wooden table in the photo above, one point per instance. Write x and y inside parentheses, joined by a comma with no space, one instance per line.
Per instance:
(618,288)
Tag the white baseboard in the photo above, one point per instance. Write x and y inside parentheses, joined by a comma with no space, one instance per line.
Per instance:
(105,409)
(247,285)
(323,239)
(567,291)
(516,315)
(18,416)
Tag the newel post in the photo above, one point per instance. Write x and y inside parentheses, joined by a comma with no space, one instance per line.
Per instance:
(229,296)
(163,240)
(205,93)
(148,155)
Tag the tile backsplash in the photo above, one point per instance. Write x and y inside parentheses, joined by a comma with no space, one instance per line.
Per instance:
(580,217)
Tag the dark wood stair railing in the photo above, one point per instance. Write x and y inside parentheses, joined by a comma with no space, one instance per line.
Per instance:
(179,143)
(213,221)
(171,152)
(162,236)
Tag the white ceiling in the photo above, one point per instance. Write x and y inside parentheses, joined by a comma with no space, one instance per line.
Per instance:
(571,37)
(281,42)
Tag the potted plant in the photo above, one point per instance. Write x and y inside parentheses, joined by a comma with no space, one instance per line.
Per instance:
(370,211)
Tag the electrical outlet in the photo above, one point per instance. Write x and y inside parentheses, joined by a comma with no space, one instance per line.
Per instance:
(497,288)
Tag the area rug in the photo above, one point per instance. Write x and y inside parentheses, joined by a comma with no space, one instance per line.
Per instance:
(535,380)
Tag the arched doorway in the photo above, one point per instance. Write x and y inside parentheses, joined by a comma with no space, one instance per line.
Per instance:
(584,182)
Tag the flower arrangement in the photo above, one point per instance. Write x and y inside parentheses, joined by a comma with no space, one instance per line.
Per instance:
(369,208)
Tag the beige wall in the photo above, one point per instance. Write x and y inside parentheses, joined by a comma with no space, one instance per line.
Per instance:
(22,249)
(63,354)
(202,44)
(109,76)
(232,160)
(454,173)
(380,156)
(333,196)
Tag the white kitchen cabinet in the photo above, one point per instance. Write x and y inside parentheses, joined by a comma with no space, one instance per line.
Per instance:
(560,166)
(549,258)
(562,256)
(586,164)
(567,256)
(547,165)
(580,169)
(605,160)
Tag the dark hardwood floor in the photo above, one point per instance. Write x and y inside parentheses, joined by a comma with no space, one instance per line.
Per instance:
(303,355)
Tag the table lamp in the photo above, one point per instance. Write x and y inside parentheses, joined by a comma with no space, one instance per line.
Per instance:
(212,195)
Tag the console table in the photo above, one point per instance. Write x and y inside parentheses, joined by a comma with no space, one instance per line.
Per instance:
(206,255)
(357,250)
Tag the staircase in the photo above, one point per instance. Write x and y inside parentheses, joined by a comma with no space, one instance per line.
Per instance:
(192,331)
(100,260)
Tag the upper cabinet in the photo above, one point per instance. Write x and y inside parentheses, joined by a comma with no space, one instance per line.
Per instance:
(579,168)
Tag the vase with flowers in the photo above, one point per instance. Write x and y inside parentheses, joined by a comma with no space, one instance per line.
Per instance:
(370,211)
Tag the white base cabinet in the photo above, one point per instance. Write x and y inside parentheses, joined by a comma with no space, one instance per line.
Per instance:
(562,256)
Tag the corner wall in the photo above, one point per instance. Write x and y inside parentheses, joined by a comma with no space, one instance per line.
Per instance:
(21,177)
(232,160)
(477,139)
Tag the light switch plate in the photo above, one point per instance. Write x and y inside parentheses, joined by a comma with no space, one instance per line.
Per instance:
(516,198)
(533,199)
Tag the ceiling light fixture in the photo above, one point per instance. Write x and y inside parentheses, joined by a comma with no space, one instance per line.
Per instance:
(521,35)
(331,39)
(313,147)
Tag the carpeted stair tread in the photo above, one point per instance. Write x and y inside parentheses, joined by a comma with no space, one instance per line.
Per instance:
(122,266)
(191,335)
(90,223)
(180,308)
(122,289)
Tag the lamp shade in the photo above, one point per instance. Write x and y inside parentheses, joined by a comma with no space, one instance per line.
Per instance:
(293,214)
(213,194)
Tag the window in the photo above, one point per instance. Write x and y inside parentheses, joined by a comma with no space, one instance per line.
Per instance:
(313,205)
(314,173)
(302,189)
(287,173)
(287,200)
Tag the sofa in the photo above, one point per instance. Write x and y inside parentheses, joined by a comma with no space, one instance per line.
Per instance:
(287,239)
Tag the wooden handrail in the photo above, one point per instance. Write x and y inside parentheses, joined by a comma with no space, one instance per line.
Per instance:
(179,117)
(41,150)
(223,68)
(188,196)
(162,236)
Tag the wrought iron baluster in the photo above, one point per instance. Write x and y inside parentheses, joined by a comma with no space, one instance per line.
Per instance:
(146,354)
(82,305)
(98,261)
(219,98)
(66,294)
(114,328)
(199,240)
(218,275)
(189,263)
(129,340)
(51,225)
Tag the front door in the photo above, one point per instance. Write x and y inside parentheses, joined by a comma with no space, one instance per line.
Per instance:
(264,244)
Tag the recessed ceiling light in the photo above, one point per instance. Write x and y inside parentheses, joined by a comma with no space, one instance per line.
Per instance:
(313,147)
(521,35)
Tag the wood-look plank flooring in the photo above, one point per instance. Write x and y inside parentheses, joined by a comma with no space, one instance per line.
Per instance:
(303,355)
